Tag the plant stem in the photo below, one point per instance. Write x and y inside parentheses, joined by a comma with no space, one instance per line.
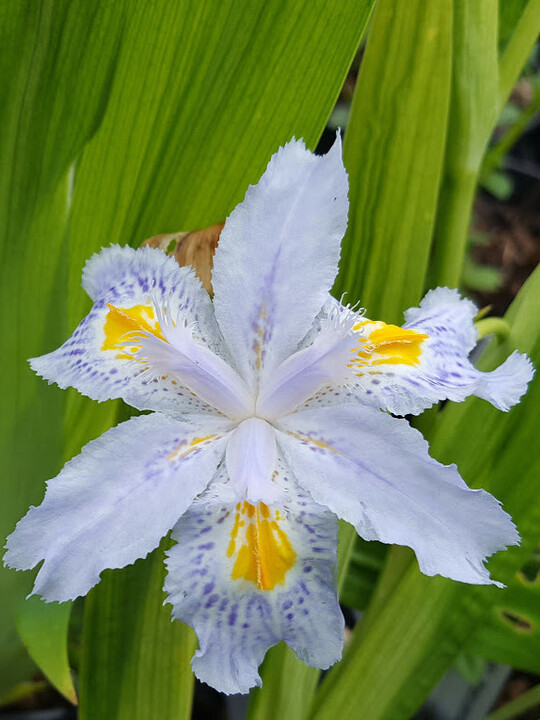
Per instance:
(518,49)
(451,231)
(511,710)
(492,326)
(495,156)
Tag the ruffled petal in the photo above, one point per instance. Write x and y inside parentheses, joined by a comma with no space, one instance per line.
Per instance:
(114,502)
(405,370)
(247,576)
(375,472)
(130,288)
(279,252)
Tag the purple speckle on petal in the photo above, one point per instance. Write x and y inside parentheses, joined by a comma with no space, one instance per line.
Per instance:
(208,588)
(206,546)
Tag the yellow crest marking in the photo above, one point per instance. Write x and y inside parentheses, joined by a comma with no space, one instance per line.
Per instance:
(312,441)
(121,321)
(263,552)
(185,448)
(387,345)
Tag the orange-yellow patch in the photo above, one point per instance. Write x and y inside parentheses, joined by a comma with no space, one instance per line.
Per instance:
(262,551)
(312,441)
(384,344)
(187,447)
(119,322)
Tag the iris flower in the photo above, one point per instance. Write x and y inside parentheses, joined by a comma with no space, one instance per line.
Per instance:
(268,425)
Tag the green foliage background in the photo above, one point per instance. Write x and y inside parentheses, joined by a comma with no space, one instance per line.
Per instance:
(124,120)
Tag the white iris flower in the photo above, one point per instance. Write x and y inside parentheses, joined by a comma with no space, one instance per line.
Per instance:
(268,425)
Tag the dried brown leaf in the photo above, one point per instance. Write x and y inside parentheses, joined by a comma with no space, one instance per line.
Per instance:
(195,248)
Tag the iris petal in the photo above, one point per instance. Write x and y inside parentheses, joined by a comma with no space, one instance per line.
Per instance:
(114,502)
(129,287)
(375,472)
(277,257)
(405,370)
(237,620)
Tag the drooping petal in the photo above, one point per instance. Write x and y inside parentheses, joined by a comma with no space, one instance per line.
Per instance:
(251,461)
(375,472)
(114,502)
(277,257)
(130,288)
(405,370)
(247,576)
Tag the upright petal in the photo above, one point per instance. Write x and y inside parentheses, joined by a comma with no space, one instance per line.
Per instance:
(325,361)
(277,256)
(406,370)
(130,288)
(247,576)
(114,502)
(375,472)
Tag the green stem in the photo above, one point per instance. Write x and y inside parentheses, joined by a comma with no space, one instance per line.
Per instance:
(515,707)
(494,158)
(518,49)
(346,538)
(22,691)
(455,204)
(492,326)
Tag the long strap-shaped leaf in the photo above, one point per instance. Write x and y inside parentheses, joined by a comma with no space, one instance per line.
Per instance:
(135,663)
(394,148)
(56,67)
(43,628)
(473,112)
(481,83)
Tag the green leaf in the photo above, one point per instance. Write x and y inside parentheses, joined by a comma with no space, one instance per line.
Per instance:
(473,113)
(509,13)
(481,84)
(43,628)
(480,277)
(392,664)
(520,28)
(510,631)
(500,185)
(366,562)
(514,709)
(52,87)
(394,149)
(124,675)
